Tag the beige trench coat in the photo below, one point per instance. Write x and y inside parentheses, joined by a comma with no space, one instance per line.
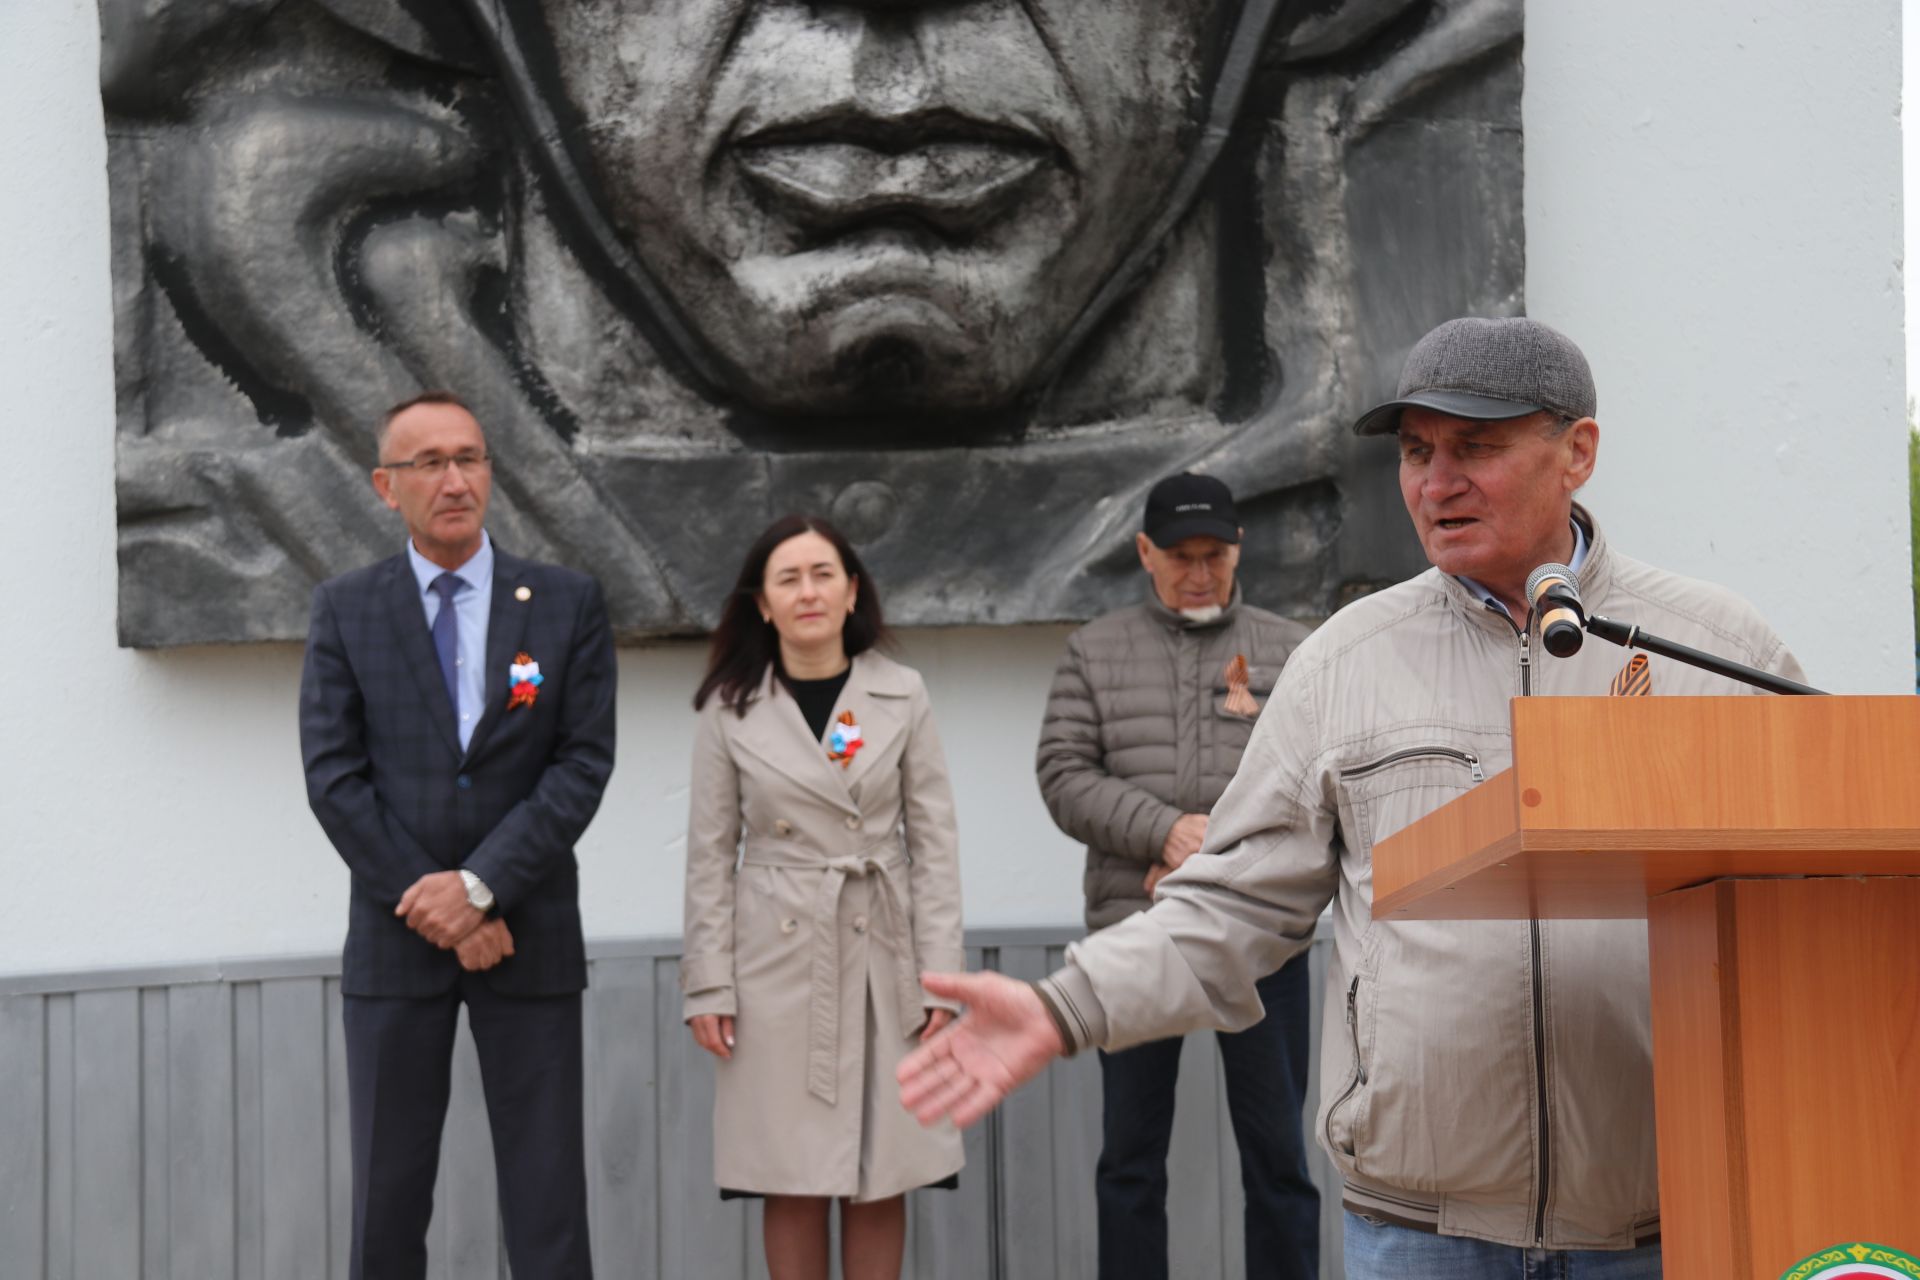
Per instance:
(816,895)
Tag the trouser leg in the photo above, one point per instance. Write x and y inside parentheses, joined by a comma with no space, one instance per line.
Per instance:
(531,1064)
(399,1070)
(1130,1182)
(1266,1074)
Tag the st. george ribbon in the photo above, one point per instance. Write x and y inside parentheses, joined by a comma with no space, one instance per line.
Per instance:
(1553,591)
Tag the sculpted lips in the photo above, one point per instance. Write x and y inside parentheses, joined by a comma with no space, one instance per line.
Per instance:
(839,171)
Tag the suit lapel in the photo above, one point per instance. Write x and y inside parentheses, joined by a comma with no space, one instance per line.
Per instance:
(507,618)
(407,612)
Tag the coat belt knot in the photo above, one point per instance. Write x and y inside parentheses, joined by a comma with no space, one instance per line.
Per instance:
(889,924)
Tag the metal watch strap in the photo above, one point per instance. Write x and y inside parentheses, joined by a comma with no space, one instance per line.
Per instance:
(479,897)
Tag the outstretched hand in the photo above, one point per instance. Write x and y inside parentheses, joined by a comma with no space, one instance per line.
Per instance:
(1004,1039)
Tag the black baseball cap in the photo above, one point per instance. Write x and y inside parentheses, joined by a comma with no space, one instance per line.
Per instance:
(1190,506)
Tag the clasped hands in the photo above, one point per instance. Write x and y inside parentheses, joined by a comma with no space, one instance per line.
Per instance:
(436,908)
(1183,841)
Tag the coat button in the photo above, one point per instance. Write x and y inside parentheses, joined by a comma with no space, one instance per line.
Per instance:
(789,925)
(782,827)
(859,924)
(853,822)
(463,782)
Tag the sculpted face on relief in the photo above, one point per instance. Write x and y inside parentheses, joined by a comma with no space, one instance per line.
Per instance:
(865,208)
(965,276)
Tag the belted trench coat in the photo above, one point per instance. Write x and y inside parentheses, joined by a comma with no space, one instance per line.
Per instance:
(816,894)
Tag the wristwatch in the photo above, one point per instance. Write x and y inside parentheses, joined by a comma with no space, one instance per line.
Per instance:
(479,897)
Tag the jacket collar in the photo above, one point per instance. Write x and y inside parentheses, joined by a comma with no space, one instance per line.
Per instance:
(1596,578)
(506,632)
(1174,620)
(877,692)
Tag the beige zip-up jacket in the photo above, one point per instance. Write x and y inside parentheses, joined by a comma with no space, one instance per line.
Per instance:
(1492,1079)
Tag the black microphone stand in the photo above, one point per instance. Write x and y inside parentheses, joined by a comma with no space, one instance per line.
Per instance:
(1630,636)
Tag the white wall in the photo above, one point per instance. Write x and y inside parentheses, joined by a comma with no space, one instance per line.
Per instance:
(1712,209)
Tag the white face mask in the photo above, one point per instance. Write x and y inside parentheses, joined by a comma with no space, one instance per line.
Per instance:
(1206,613)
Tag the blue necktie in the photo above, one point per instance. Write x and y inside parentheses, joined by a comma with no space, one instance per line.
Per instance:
(446,638)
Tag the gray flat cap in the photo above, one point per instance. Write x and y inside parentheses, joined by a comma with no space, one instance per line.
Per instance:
(1489,369)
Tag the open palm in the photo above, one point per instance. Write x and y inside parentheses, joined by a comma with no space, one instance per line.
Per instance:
(1004,1039)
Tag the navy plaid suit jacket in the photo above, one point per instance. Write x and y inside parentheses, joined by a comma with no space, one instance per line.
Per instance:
(400,800)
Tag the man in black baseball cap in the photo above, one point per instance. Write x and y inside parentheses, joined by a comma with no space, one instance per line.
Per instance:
(1190,506)
(1149,713)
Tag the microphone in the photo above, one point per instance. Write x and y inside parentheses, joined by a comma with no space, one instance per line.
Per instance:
(1554,593)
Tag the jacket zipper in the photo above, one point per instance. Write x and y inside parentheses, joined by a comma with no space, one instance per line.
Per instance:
(1359,1068)
(1413,753)
(1538,981)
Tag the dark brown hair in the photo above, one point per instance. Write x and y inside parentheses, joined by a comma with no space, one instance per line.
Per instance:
(425,397)
(745,644)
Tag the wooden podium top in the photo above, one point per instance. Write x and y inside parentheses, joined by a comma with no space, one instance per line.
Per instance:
(1613,800)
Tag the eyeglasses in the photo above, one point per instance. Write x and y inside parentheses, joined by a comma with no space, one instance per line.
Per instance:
(433,466)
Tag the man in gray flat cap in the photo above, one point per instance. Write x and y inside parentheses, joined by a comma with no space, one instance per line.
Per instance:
(1486,1086)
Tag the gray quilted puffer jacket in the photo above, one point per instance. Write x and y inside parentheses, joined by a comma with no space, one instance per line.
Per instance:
(1138,733)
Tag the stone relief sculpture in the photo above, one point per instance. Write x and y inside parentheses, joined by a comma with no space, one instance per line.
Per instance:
(967,276)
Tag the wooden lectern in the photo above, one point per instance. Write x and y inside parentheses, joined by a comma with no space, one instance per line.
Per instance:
(1773,846)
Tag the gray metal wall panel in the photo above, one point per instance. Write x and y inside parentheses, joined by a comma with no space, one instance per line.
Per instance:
(23,1128)
(339,1140)
(293,1105)
(200,1137)
(59,1112)
(249,1199)
(106,1134)
(156,1237)
(194,1124)
(623,1181)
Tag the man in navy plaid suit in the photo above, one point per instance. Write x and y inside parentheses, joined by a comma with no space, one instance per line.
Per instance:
(456,723)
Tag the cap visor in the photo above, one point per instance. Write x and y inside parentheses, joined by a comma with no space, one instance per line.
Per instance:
(1384,419)
(1178,531)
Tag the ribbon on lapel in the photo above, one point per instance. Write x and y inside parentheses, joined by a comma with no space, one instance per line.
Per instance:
(1633,679)
(507,620)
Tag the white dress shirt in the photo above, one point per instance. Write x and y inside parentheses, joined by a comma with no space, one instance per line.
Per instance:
(472,607)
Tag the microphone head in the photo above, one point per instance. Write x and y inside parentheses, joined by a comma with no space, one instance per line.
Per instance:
(1548,575)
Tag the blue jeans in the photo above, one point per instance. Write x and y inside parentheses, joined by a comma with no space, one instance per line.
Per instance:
(1379,1251)
(1266,1071)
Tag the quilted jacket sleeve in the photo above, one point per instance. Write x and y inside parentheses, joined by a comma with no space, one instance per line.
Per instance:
(1088,803)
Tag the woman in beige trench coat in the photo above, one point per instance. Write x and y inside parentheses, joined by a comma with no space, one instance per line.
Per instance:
(822,878)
